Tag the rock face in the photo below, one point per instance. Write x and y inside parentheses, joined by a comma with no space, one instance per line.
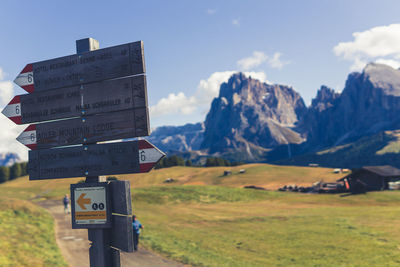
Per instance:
(8,159)
(178,138)
(249,115)
(369,103)
(325,99)
(255,121)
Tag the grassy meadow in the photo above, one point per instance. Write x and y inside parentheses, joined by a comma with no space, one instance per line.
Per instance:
(206,219)
(27,235)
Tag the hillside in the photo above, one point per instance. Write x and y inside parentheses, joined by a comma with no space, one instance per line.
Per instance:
(253,121)
(212,225)
(265,175)
(379,149)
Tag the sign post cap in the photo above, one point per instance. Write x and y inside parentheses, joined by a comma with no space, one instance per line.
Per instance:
(86,45)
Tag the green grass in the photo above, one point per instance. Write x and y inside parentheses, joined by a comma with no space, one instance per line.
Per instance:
(265,228)
(27,235)
(206,219)
(195,194)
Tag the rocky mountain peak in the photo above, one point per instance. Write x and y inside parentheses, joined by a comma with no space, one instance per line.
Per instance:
(249,113)
(383,77)
(325,98)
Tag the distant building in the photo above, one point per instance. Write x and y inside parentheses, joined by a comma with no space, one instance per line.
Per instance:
(373,178)
(226,173)
(313,165)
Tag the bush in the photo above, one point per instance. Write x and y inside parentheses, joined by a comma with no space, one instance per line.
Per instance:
(211,162)
(170,162)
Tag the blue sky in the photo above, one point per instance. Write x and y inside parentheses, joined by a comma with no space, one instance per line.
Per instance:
(192,46)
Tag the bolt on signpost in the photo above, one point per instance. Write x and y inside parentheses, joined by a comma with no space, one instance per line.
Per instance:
(78,100)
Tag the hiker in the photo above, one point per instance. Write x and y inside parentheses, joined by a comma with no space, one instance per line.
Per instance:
(66,204)
(136,231)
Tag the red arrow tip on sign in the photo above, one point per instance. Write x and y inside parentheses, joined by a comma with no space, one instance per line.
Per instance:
(149,155)
(13,110)
(25,79)
(28,137)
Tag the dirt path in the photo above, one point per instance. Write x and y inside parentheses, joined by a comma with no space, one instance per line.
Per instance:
(74,244)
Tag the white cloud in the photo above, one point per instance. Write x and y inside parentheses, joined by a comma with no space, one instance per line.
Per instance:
(200,102)
(174,104)
(236,22)
(390,62)
(259,58)
(8,134)
(9,130)
(2,74)
(6,92)
(209,88)
(211,11)
(253,61)
(6,89)
(275,62)
(378,44)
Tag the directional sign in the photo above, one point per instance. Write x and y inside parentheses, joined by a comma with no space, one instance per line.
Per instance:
(97,159)
(90,205)
(74,101)
(89,129)
(103,64)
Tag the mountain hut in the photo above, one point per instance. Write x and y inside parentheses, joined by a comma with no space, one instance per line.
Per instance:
(373,177)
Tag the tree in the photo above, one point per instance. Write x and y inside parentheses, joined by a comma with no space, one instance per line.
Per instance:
(15,171)
(24,168)
(170,162)
(188,163)
(4,174)
(210,162)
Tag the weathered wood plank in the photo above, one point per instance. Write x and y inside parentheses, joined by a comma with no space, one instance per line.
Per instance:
(122,233)
(89,129)
(93,160)
(74,101)
(102,64)
(121,197)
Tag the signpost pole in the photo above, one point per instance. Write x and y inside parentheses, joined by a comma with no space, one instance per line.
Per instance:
(100,252)
(91,96)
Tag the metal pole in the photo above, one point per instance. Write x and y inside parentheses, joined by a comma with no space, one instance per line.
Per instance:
(100,252)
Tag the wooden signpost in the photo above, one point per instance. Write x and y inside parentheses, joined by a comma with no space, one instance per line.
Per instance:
(76,101)
(86,67)
(87,129)
(93,160)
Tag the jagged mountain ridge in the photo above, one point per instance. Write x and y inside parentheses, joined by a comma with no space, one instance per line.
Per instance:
(250,120)
(369,103)
(8,159)
(178,138)
(250,115)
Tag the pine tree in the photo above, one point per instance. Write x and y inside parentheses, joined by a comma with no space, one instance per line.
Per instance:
(15,171)
(4,174)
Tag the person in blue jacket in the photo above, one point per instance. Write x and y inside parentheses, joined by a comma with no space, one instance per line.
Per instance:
(136,231)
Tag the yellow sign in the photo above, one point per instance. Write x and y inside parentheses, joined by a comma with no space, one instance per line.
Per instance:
(90,205)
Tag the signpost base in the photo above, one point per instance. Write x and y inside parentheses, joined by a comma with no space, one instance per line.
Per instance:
(100,252)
